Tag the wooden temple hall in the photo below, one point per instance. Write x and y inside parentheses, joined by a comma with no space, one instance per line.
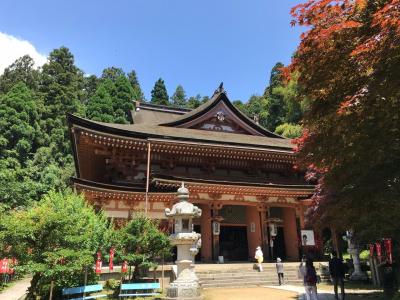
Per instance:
(237,172)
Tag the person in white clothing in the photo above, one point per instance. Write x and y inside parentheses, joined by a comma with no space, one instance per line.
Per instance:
(279,270)
(259,256)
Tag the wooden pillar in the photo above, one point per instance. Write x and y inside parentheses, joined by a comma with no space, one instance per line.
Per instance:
(254,238)
(290,233)
(301,216)
(264,230)
(206,234)
(215,238)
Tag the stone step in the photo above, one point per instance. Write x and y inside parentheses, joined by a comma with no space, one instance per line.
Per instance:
(242,284)
(244,271)
(247,280)
(241,275)
(244,277)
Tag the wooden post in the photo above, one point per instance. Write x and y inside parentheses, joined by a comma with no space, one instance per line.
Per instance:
(51,290)
(162,274)
(148,177)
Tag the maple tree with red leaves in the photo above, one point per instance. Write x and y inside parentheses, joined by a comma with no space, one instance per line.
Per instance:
(349,66)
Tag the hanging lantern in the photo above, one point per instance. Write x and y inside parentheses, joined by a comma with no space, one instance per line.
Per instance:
(378,250)
(111,261)
(388,249)
(98,266)
(124,267)
(371,250)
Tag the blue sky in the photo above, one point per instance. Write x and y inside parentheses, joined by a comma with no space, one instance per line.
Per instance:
(196,44)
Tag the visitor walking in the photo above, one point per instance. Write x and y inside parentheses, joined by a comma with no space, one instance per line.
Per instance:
(279,270)
(301,272)
(259,256)
(310,281)
(336,269)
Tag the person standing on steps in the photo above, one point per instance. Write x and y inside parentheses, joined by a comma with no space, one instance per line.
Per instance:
(259,256)
(310,281)
(336,269)
(279,270)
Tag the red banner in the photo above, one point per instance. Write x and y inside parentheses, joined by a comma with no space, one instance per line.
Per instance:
(111,262)
(388,249)
(4,266)
(124,267)
(98,266)
(99,255)
(371,250)
(378,250)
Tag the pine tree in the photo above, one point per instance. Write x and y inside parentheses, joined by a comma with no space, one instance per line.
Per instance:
(62,88)
(22,70)
(137,91)
(179,97)
(112,73)
(194,101)
(123,100)
(19,117)
(159,93)
(276,105)
(100,105)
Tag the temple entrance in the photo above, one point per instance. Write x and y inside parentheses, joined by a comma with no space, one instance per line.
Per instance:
(279,244)
(233,243)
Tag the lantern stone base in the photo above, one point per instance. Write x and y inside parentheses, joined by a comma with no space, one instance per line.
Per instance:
(358,276)
(185,287)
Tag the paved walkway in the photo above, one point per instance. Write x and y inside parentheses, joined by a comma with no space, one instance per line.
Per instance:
(322,294)
(17,291)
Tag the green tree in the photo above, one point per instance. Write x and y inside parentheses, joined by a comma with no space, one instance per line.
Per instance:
(179,97)
(22,70)
(276,106)
(294,106)
(159,93)
(194,101)
(100,105)
(112,73)
(55,240)
(289,130)
(137,91)
(258,106)
(90,85)
(62,88)
(19,123)
(142,243)
(123,100)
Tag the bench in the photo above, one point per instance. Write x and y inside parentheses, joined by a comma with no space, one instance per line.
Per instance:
(67,292)
(142,289)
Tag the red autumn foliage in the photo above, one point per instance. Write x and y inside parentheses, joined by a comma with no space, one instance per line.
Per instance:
(349,66)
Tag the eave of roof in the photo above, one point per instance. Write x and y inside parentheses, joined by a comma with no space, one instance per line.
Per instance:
(178,180)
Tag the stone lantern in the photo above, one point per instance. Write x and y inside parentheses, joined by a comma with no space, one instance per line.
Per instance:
(357,275)
(186,286)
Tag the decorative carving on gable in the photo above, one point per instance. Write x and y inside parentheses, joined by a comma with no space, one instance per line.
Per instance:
(221,118)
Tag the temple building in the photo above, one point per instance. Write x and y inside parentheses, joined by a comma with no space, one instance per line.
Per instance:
(239,174)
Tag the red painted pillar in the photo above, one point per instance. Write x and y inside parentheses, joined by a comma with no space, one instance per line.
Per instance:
(206,234)
(253,229)
(290,233)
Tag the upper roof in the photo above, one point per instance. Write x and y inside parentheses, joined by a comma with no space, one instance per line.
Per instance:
(217,121)
(146,131)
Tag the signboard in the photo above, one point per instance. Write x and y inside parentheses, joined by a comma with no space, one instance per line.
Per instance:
(252,227)
(307,238)
(216,228)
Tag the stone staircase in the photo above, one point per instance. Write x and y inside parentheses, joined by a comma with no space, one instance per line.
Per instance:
(243,275)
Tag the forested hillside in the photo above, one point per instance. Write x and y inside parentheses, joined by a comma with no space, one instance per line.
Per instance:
(35,152)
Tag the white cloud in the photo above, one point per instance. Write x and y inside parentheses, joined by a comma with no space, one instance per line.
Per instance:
(12,48)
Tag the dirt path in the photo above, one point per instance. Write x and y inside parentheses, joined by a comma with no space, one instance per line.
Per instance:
(248,294)
(16,291)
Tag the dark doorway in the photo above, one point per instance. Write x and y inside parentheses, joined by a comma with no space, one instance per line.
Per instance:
(279,244)
(233,243)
